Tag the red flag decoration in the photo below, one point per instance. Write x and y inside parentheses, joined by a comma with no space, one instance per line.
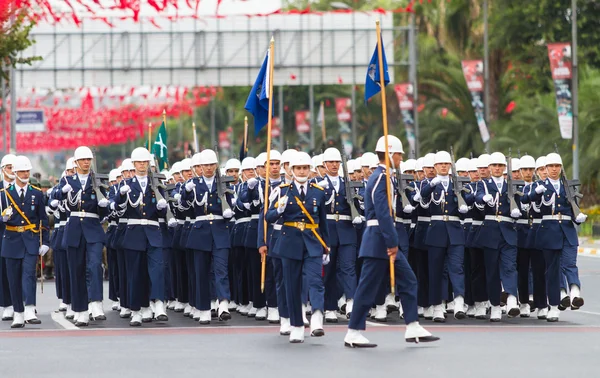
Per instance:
(406,102)
(303,121)
(560,66)
(343,108)
(473,73)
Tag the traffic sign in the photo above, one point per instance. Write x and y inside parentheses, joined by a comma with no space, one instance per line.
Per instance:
(30,121)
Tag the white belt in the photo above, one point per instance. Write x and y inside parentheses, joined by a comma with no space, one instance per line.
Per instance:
(537,221)
(372,222)
(112,223)
(402,220)
(56,225)
(277,227)
(82,214)
(208,217)
(499,218)
(558,217)
(242,220)
(123,220)
(468,220)
(477,223)
(445,218)
(522,221)
(142,222)
(412,225)
(161,220)
(254,216)
(338,217)
(423,219)
(180,221)
(188,219)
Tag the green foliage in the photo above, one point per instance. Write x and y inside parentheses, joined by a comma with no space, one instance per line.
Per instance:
(15,39)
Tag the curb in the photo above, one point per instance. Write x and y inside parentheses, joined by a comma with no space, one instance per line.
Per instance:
(586,251)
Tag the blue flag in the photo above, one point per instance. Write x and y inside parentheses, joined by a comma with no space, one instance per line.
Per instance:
(372,86)
(258,99)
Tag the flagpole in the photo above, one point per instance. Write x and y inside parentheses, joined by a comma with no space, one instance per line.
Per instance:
(323,130)
(385,137)
(149,135)
(268,163)
(195,137)
(245,135)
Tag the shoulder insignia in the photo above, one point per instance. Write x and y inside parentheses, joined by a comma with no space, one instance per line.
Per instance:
(284,185)
(35,187)
(316,186)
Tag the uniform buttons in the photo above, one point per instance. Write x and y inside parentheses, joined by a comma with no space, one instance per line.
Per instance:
(499,212)
(209,222)
(500,204)
(82,201)
(557,196)
(446,203)
(290,203)
(559,205)
(210,196)
(143,213)
(22,222)
(143,204)
(446,211)
(337,203)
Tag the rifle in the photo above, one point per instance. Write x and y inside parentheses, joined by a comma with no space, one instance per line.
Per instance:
(570,189)
(155,184)
(458,182)
(349,188)
(512,183)
(222,187)
(98,180)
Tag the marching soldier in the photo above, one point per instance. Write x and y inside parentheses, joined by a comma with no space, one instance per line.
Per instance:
(462,170)
(24,216)
(84,238)
(8,178)
(380,243)
(111,252)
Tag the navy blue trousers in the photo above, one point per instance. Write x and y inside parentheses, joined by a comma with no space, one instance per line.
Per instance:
(454,255)
(85,274)
(122,270)
(22,280)
(145,277)
(500,271)
(340,273)
(293,271)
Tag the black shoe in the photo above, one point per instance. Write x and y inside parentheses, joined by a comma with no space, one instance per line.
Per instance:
(576,303)
(81,324)
(459,315)
(439,320)
(7,318)
(565,303)
(33,321)
(317,333)
(213,313)
(146,320)
(162,318)
(426,339)
(20,325)
(135,324)
(356,345)
(225,316)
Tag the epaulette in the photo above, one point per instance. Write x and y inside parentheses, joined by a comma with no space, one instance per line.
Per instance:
(316,186)
(35,187)
(284,185)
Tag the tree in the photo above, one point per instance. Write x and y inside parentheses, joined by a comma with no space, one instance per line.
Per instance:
(15,39)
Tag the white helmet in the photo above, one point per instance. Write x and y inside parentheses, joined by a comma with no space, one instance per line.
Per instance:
(394,145)
(483,161)
(442,157)
(366,158)
(300,159)
(70,164)
(515,164)
(472,167)
(22,163)
(374,162)
(351,165)
(113,174)
(332,154)
(175,168)
(8,159)
(551,158)
(419,165)
(186,165)
(127,165)
(287,155)
(83,152)
(429,160)
(208,156)
(275,155)
(527,161)
(167,174)
(540,162)
(196,159)
(233,164)
(141,154)
(261,159)
(462,165)
(248,163)
(408,165)
(497,158)
(318,160)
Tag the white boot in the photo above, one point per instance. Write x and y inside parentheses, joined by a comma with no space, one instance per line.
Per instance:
(8,313)
(252,312)
(450,307)
(195,314)
(496,314)
(70,314)
(576,299)
(232,306)
(525,310)
(438,314)
(187,310)
(146,314)
(380,313)
(459,307)
(512,308)
(355,339)
(308,309)
(471,311)
(204,317)
(316,324)
(273,315)
(553,314)
(285,329)
(179,307)
(297,335)
(261,314)
(30,316)
(565,300)
(125,313)
(480,310)
(159,311)
(542,313)
(420,311)
(136,319)
(97,311)
(349,307)
(171,305)
(62,307)
(331,317)
(415,334)
(428,313)
(116,306)
(18,320)
(304,318)
(82,319)
(342,304)
(390,303)
(223,311)
(400,310)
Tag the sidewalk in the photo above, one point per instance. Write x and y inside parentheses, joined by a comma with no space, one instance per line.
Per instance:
(589,247)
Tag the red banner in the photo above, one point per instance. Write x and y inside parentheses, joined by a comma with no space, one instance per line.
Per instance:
(560,66)
(473,73)
(560,60)
(343,108)
(275,128)
(303,121)
(224,141)
(406,102)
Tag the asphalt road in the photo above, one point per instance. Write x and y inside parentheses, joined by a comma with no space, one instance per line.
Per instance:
(246,348)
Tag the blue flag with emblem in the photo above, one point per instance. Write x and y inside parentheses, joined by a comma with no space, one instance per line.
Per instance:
(372,83)
(160,149)
(258,99)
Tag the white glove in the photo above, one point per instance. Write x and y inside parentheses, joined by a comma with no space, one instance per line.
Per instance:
(282,204)
(252,183)
(5,218)
(112,206)
(540,189)
(436,180)
(177,197)
(227,214)
(161,204)
(357,220)
(488,198)
(8,212)
(581,218)
(525,207)
(189,186)
(172,222)
(56,214)
(67,188)
(326,258)
(103,202)
(54,203)
(323,184)
(515,213)
(43,250)
(463,209)
(49,211)
(417,197)
(408,209)
(125,189)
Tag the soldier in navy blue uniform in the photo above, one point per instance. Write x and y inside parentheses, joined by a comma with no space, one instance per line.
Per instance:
(84,238)
(445,238)
(303,251)
(24,217)
(498,237)
(8,179)
(557,238)
(143,241)
(111,252)
(209,237)
(233,169)
(379,246)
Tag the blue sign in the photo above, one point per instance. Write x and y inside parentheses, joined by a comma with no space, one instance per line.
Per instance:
(30,121)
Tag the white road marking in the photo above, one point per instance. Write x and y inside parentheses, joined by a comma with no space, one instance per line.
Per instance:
(59,318)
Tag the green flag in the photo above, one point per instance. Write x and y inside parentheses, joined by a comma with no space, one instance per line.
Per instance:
(160,149)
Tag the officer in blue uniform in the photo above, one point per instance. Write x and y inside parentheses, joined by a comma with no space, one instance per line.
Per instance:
(302,244)
(143,241)
(209,236)
(111,252)
(445,238)
(84,238)
(8,179)
(24,217)
(378,248)
(557,238)
(175,233)
(498,237)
